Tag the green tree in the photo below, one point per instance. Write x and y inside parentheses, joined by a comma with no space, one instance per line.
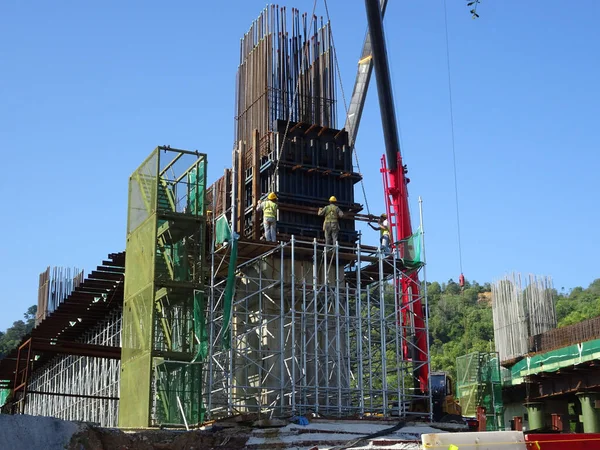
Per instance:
(578,305)
(10,339)
(458,322)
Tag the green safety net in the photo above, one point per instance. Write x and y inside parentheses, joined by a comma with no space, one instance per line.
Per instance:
(479,383)
(200,332)
(223,234)
(179,389)
(222,230)
(196,190)
(164,246)
(411,249)
(4,394)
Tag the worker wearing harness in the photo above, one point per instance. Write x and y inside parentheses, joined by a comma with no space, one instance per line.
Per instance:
(269,209)
(331,225)
(384,233)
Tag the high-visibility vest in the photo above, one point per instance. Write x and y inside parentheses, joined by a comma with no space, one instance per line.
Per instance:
(331,213)
(269,209)
(384,229)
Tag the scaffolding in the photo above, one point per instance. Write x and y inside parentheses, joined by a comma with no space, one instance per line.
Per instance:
(163,323)
(80,388)
(68,365)
(312,329)
(480,384)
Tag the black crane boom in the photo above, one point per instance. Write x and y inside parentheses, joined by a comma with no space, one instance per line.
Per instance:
(384,84)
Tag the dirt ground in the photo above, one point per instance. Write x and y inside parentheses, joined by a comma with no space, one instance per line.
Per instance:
(95,438)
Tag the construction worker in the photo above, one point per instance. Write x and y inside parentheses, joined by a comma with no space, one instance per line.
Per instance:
(331,225)
(384,233)
(269,209)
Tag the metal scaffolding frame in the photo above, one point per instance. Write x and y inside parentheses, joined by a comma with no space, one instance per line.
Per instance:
(309,335)
(164,295)
(80,387)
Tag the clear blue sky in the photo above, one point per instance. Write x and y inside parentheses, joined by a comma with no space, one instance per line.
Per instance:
(89,88)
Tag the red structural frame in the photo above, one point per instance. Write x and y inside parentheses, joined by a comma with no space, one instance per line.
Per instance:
(409,301)
(574,441)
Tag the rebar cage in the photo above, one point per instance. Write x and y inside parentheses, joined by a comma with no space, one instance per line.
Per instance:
(314,329)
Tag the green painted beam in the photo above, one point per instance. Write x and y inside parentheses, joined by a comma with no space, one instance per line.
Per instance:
(555,360)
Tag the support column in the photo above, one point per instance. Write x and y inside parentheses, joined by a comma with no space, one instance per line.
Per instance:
(558,424)
(517,423)
(535,412)
(590,415)
(481,419)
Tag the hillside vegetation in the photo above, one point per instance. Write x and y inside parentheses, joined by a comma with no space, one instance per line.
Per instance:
(460,321)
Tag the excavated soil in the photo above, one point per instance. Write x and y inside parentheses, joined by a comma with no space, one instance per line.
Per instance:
(95,438)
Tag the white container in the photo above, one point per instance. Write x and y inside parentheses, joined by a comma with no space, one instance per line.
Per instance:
(485,440)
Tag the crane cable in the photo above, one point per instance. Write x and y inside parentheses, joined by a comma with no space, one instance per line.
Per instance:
(337,68)
(461,279)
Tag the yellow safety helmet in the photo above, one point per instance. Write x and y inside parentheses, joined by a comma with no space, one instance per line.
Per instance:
(383,216)
(332,199)
(272,196)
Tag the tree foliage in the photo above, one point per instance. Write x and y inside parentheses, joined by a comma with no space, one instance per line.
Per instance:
(579,304)
(13,335)
(460,322)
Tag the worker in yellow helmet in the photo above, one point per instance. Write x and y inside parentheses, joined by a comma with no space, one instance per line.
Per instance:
(384,233)
(269,209)
(331,225)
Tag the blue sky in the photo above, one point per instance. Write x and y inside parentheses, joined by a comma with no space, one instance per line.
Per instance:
(88,89)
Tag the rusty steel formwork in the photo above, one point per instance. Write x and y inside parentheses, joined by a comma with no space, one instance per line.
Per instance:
(286,140)
(563,337)
(219,194)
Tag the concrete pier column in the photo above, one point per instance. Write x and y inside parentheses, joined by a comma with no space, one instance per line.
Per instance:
(590,415)
(535,412)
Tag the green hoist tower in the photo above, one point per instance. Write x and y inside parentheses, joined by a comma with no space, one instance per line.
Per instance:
(164,337)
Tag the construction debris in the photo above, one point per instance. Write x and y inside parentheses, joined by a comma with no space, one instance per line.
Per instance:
(24,432)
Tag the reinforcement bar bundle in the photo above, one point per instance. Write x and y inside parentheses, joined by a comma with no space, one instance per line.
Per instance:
(285,74)
(521,308)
